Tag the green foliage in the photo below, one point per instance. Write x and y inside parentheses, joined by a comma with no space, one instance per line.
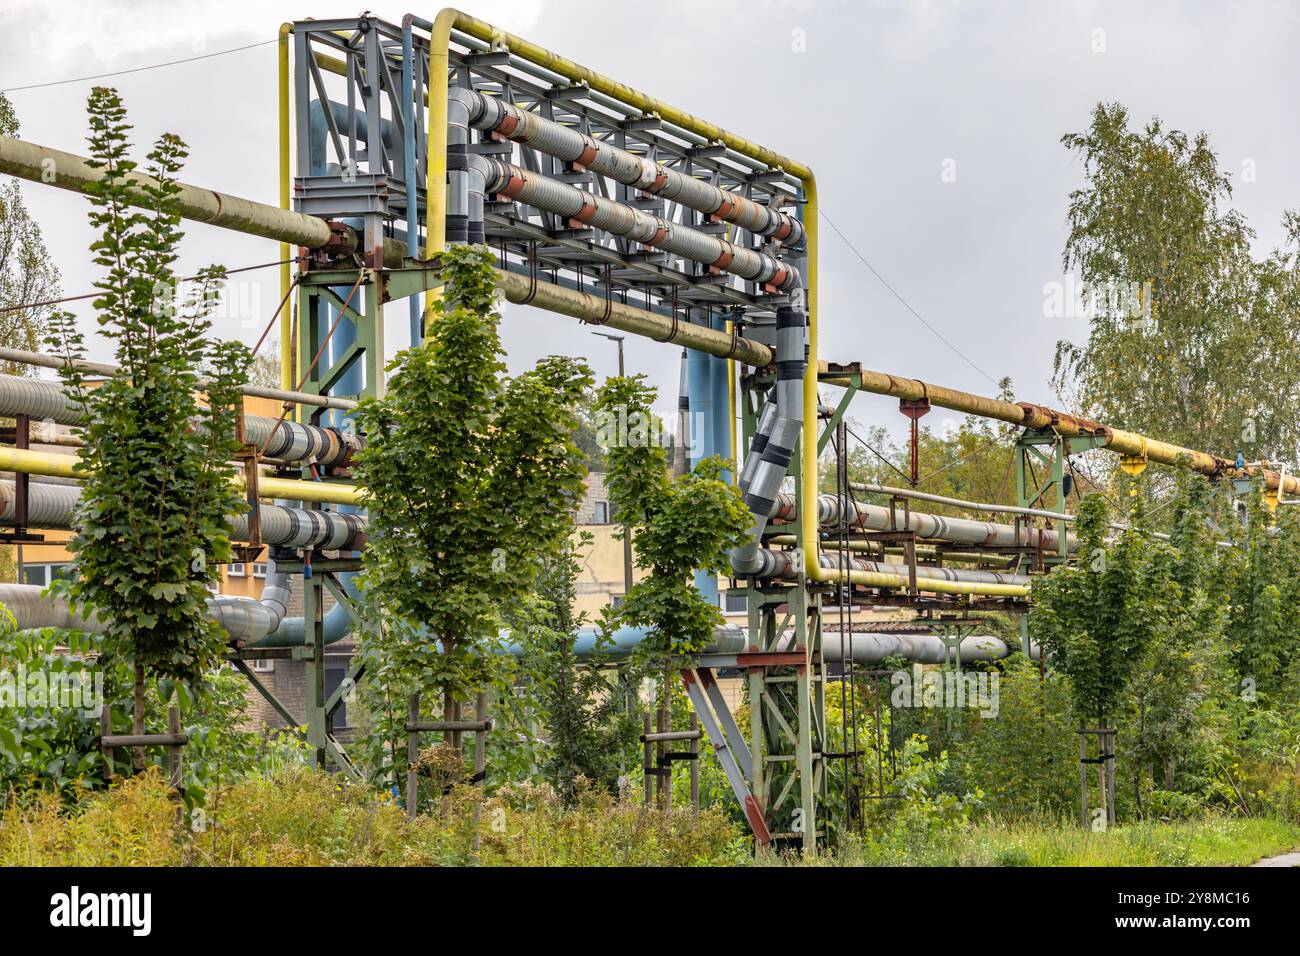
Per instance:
(1214,841)
(469,478)
(50,746)
(679,525)
(305,818)
(1185,322)
(1099,617)
(585,721)
(152,522)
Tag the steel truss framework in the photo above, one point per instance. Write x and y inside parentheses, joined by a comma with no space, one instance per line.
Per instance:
(359,89)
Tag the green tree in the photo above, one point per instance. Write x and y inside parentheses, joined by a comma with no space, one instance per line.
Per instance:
(584,717)
(1176,675)
(152,522)
(679,524)
(1185,324)
(470,478)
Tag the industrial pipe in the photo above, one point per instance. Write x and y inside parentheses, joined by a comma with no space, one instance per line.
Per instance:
(600,310)
(585,209)
(51,507)
(869,517)
(784,564)
(775,449)
(24,461)
(54,167)
(1040,417)
(274,438)
(494,115)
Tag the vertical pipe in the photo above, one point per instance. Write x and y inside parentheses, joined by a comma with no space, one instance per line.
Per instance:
(286,278)
(412,170)
(721,398)
(436,187)
(704,441)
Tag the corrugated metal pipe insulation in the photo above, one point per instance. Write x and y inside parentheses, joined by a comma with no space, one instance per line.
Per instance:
(52,505)
(281,440)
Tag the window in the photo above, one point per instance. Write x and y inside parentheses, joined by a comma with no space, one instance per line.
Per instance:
(734,601)
(43,574)
(600,512)
(261,665)
(236,570)
(259,569)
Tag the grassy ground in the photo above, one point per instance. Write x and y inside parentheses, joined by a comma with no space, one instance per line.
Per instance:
(301,818)
(1216,841)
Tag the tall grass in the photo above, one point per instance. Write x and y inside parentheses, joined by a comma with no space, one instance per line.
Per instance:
(300,817)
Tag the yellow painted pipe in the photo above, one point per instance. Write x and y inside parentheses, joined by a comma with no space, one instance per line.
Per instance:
(877,579)
(286,277)
(295,490)
(24,461)
(1040,417)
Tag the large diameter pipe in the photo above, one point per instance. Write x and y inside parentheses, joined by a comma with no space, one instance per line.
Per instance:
(279,439)
(586,209)
(54,167)
(24,461)
(1041,417)
(51,507)
(784,564)
(494,115)
(617,315)
(928,526)
(41,360)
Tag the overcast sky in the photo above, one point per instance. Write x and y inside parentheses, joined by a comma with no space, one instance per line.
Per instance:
(934,129)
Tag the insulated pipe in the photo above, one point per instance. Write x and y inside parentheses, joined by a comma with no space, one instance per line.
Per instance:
(281,440)
(27,462)
(494,115)
(587,210)
(782,564)
(958,530)
(727,639)
(54,167)
(598,309)
(440,29)
(1040,417)
(244,619)
(766,419)
(774,459)
(873,648)
(51,506)
(41,360)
